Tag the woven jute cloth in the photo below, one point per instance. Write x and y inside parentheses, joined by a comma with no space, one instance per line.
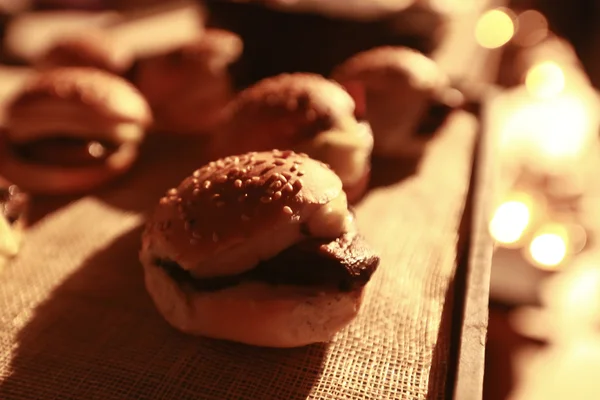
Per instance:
(77,323)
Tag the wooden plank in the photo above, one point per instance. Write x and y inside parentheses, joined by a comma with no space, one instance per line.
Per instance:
(472,68)
(473,273)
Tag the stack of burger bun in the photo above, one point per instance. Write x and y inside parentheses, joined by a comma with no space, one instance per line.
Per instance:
(259,245)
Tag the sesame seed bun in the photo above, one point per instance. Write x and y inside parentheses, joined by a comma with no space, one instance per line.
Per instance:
(80,105)
(85,102)
(283,110)
(195,73)
(304,112)
(95,49)
(394,88)
(258,215)
(56,180)
(236,211)
(254,313)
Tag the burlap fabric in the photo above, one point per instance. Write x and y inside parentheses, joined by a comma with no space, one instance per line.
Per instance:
(76,322)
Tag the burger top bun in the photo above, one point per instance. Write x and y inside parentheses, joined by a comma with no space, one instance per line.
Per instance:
(355,9)
(94,48)
(236,211)
(282,111)
(75,99)
(383,66)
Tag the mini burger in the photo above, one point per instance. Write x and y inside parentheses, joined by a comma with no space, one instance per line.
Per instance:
(403,95)
(302,112)
(14,204)
(260,249)
(71,130)
(189,86)
(93,48)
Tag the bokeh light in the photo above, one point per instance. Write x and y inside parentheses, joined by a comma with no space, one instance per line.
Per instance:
(545,80)
(494,28)
(549,247)
(510,221)
(547,131)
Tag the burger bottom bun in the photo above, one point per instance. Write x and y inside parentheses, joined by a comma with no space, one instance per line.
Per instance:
(356,191)
(253,313)
(47,179)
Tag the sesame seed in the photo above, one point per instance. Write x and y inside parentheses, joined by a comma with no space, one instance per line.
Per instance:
(298,184)
(287,153)
(266,169)
(221,178)
(237,183)
(248,182)
(288,210)
(277,195)
(195,181)
(255,179)
(260,162)
(265,199)
(293,168)
(196,192)
(164,201)
(216,196)
(172,192)
(279,162)
(178,200)
(207,184)
(288,187)
(197,173)
(215,237)
(286,175)
(300,173)
(277,185)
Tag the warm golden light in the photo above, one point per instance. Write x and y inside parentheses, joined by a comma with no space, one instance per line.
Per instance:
(494,29)
(566,127)
(510,221)
(545,80)
(548,131)
(549,247)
